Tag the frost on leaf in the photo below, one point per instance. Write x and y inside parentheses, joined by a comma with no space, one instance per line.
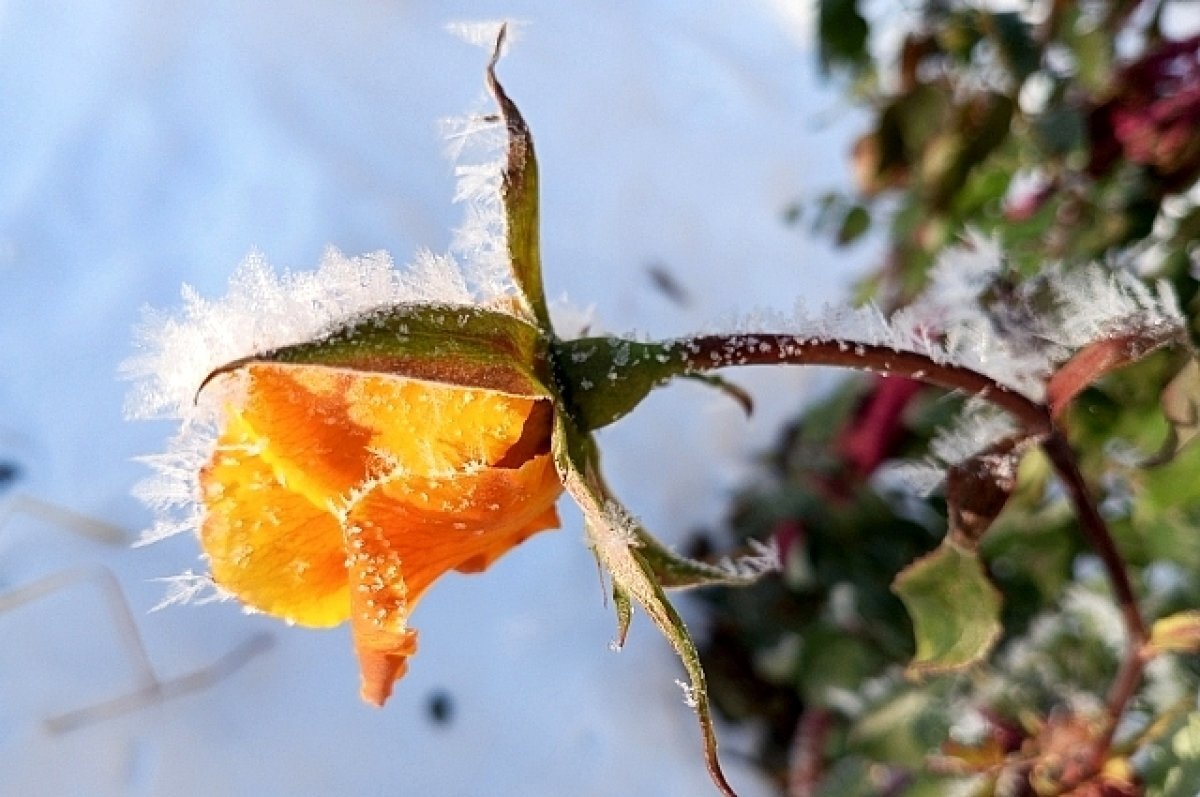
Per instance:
(978,428)
(615,536)
(978,488)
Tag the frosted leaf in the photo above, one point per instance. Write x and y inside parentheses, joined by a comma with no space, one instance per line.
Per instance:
(1095,303)
(689,693)
(763,558)
(264,309)
(977,427)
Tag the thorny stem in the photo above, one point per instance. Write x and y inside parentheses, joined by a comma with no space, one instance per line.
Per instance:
(718,351)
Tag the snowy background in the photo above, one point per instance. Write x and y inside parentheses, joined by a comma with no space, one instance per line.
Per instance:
(145,145)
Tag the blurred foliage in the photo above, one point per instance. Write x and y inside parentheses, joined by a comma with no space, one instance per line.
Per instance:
(1070,133)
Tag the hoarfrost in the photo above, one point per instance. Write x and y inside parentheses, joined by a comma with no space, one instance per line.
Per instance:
(265,309)
(189,587)
(763,558)
(971,316)
(978,426)
(483,33)
(689,694)
(1096,302)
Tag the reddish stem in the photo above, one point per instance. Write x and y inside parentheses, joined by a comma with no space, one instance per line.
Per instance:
(718,351)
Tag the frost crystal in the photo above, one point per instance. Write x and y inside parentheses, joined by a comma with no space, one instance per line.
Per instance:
(978,426)
(763,558)
(483,33)
(265,309)
(971,316)
(189,587)
(1096,303)
(689,693)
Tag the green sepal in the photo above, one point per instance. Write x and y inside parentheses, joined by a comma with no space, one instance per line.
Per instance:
(614,538)
(454,345)
(673,571)
(603,379)
(623,605)
(954,608)
(733,391)
(519,195)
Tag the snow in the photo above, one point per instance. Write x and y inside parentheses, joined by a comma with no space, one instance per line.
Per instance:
(147,147)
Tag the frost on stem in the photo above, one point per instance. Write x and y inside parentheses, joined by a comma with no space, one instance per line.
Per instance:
(973,316)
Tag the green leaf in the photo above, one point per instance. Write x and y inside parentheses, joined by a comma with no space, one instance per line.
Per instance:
(843,34)
(954,608)
(603,379)
(733,391)
(856,222)
(1181,407)
(455,345)
(1015,42)
(614,537)
(519,193)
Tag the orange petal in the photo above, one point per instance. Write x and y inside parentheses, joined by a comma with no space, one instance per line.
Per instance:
(405,534)
(268,545)
(338,494)
(427,429)
(300,417)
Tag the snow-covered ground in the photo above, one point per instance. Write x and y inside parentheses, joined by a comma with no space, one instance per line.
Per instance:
(145,145)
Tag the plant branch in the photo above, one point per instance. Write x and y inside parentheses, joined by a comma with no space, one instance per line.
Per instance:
(708,352)
(1129,676)
(718,351)
(1097,533)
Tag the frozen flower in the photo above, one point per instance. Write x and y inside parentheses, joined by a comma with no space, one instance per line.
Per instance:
(335,494)
(350,435)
